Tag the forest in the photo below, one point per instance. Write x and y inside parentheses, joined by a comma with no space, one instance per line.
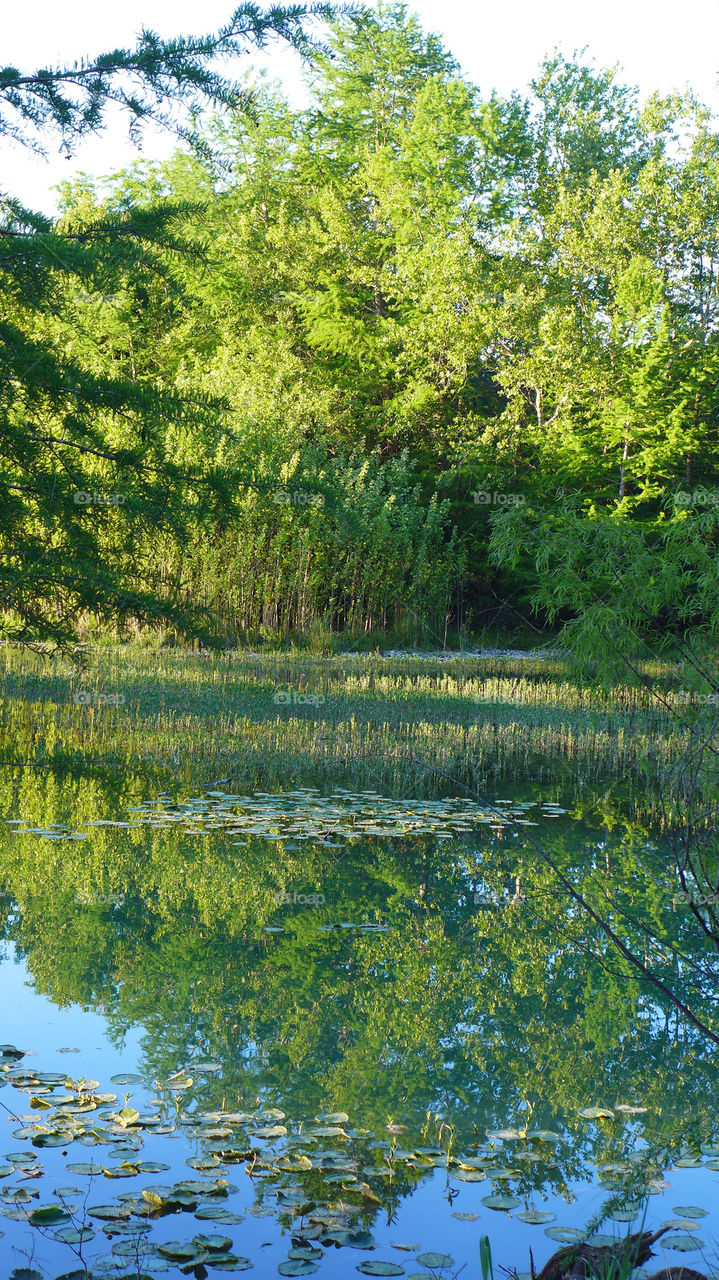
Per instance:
(409,361)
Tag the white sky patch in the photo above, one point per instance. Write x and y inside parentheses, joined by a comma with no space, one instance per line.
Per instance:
(659,46)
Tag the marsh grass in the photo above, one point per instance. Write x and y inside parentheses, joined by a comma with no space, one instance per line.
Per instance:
(401,724)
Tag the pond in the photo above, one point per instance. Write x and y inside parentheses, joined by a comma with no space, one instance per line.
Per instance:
(337,1031)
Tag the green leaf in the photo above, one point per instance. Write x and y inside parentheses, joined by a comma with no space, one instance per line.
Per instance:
(682,1243)
(501,1202)
(51,1140)
(50,1216)
(212,1242)
(74,1235)
(127,1116)
(376,1268)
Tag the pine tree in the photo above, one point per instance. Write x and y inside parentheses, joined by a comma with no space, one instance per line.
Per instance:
(84,462)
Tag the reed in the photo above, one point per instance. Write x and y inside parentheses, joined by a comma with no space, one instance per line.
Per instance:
(394,723)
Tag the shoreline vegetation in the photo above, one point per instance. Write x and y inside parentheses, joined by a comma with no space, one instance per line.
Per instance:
(415,362)
(408,723)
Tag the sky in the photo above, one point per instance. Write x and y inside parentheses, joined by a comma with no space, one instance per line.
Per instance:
(659,44)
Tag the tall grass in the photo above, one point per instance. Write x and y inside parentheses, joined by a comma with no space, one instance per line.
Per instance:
(398,724)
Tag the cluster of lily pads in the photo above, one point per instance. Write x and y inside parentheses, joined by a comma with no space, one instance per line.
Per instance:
(322,1181)
(306,814)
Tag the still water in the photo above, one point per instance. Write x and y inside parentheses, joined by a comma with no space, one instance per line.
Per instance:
(340,1033)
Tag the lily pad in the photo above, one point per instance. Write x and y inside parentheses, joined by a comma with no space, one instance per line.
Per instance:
(17,1195)
(215,1213)
(108,1212)
(297,1267)
(51,1139)
(435,1260)
(682,1243)
(501,1202)
(127,1116)
(50,1216)
(123,1170)
(178,1250)
(74,1235)
(134,1248)
(689,1211)
(212,1242)
(374,1267)
(536,1217)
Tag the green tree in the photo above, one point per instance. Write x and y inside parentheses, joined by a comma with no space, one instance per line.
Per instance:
(70,428)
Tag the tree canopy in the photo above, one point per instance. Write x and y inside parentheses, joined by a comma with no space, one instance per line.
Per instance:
(378,362)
